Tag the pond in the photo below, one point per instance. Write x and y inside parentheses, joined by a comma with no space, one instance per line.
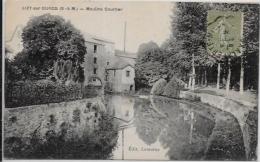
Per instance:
(128,128)
(158,128)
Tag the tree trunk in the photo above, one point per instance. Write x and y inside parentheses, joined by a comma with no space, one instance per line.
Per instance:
(189,82)
(218,77)
(241,88)
(193,74)
(55,70)
(202,77)
(229,76)
(205,78)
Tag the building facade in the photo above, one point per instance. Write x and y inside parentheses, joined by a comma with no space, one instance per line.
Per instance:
(120,77)
(105,66)
(99,55)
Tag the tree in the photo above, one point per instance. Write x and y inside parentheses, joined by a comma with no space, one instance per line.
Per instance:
(249,42)
(188,37)
(48,39)
(249,61)
(150,64)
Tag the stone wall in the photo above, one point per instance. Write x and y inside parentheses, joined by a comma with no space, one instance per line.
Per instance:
(240,110)
(23,121)
(220,102)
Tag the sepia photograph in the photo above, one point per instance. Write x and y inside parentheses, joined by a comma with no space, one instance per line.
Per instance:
(130,80)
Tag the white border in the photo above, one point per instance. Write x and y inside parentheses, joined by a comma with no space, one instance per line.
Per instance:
(206,1)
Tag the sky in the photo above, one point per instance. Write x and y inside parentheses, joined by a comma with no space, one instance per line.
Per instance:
(146,21)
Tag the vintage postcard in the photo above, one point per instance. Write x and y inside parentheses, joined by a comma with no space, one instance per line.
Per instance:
(130,80)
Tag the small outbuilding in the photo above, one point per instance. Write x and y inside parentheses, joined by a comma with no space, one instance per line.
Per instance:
(120,76)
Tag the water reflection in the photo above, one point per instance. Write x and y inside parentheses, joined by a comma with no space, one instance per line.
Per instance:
(124,127)
(226,141)
(179,131)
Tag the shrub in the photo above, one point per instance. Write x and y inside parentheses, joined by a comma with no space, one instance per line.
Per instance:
(92,91)
(24,93)
(158,87)
(54,144)
(172,89)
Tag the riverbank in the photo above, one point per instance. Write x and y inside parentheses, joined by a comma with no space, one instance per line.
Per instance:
(44,115)
(246,116)
(224,103)
(66,130)
(244,111)
(247,97)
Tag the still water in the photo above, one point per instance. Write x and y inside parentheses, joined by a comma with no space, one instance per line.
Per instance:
(157,128)
(129,128)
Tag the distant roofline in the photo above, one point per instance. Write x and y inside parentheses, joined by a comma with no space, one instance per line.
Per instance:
(97,38)
(125,56)
(104,40)
(120,68)
(94,42)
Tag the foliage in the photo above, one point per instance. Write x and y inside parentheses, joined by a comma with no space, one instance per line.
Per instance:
(174,56)
(158,87)
(189,30)
(47,39)
(20,68)
(65,72)
(250,42)
(55,144)
(90,91)
(226,140)
(24,93)
(149,123)
(149,64)
(172,89)
(188,37)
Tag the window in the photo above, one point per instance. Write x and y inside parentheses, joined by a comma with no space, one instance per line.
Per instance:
(95,48)
(95,71)
(127,73)
(95,60)
(107,62)
(94,79)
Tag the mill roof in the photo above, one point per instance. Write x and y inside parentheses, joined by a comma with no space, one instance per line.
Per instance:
(95,39)
(119,64)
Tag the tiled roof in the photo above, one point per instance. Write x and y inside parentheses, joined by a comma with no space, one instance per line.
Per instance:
(119,64)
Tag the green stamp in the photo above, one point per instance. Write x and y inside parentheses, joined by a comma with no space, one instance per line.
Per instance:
(224,32)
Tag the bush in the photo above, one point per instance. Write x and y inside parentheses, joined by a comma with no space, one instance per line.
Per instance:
(172,89)
(92,91)
(158,87)
(141,83)
(24,93)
